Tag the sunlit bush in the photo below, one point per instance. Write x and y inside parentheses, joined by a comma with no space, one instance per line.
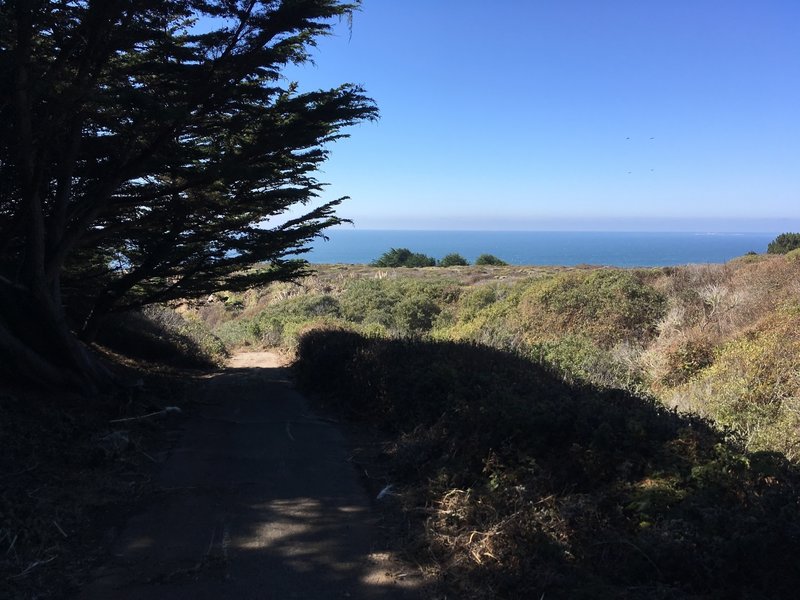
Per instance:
(753,386)
(608,306)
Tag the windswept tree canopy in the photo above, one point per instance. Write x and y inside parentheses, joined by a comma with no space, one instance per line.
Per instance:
(403,257)
(145,146)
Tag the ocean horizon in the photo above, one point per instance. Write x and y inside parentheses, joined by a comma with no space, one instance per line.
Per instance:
(563,248)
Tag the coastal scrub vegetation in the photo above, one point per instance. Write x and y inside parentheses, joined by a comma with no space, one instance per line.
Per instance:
(696,337)
(574,432)
(520,485)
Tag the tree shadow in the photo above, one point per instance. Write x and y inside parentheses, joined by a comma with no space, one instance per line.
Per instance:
(526,485)
(258,500)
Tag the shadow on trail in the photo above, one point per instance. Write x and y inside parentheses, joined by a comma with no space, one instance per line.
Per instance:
(257,500)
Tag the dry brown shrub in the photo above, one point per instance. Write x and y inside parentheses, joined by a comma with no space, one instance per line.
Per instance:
(212,314)
(764,285)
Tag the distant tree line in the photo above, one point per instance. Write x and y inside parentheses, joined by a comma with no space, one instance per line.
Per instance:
(403,257)
(784,243)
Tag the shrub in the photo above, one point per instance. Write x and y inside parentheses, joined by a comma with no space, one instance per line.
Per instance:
(403,257)
(533,488)
(370,301)
(489,260)
(753,387)
(475,300)
(403,306)
(784,243)
(487,314)
(277,324)
(453,260)
(578,359)
(415,313)
(160,334)
(686,359)
(607,305)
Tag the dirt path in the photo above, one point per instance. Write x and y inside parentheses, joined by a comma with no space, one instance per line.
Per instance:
(257,501)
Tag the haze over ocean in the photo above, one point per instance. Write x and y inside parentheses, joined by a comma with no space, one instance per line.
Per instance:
(611,248)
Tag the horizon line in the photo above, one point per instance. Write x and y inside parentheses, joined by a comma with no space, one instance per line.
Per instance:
(439,230)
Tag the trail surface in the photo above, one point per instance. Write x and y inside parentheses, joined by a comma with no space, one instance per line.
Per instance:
(256,501)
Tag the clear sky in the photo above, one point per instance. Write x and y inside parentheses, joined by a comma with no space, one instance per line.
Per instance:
(569,114)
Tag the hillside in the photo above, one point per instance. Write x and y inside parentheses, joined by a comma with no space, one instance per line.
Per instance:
(698,337)
(530,418)
(566,432)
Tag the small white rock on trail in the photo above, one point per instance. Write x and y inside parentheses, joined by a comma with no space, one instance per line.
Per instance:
(257,500)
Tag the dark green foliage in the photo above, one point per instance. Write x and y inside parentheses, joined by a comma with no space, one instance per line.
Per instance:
(489,260)
(403,257)
(784,243)
(143,160)
(535,488)
(453,260)
(370,300)
(400,306)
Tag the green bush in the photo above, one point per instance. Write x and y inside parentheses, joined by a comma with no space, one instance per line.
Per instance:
(607,305)
(487,314)
(475,300)
(415,313)
(277,324)
(453,260)
(489,260)
(376,306)
(784,243)
(403,257)
(370,301)
(753,386)
(578,359)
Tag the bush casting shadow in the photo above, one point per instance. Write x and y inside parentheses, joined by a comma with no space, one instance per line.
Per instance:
(529,486)
(139,336)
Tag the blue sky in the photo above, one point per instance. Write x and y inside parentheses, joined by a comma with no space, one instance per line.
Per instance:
(569,114)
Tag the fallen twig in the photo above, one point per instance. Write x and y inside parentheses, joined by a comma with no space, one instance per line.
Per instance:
(166,410)
(11,546)
(61,531)
(32,566)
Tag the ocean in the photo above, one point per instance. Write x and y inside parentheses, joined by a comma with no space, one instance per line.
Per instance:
(620,249)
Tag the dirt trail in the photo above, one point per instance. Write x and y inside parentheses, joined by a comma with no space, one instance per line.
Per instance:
(256,501)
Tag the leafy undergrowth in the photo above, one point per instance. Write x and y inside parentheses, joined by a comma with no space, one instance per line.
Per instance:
(529,487)
(164,337)
(70,474)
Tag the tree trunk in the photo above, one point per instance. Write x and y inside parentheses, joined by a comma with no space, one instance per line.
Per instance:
(37,345)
